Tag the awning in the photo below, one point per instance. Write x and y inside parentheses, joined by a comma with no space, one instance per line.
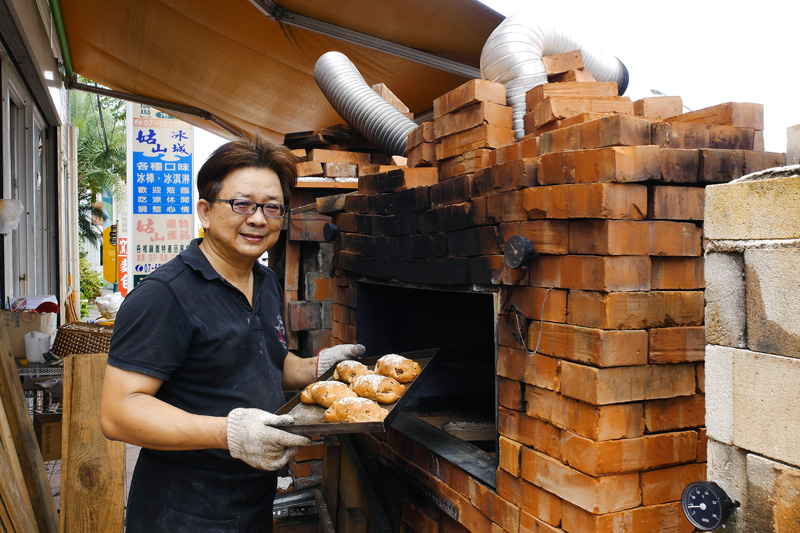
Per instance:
(235,61)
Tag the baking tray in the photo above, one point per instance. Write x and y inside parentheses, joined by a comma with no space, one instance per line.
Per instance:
(310,419)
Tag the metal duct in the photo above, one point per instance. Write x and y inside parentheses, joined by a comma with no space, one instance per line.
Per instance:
(513,54)
(372,116)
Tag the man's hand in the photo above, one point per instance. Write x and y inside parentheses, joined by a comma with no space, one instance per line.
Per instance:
(252,438)
(328,357)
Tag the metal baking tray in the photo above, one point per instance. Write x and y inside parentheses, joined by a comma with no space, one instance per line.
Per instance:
(310,419)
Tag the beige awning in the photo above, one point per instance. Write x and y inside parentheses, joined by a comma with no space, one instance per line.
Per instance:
(235,62)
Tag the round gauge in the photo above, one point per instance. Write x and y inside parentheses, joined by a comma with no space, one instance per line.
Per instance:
(706,505)
(518,252)
(330,232)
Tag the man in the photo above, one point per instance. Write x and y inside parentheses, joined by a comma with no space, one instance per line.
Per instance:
(198,359)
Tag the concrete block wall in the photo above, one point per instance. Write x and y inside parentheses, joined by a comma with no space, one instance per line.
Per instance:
(752,373)
(602,427)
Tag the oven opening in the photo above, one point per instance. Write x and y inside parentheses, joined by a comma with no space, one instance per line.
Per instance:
(458,395)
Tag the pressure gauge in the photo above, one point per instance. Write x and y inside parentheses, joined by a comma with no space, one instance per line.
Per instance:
(706,505)
(518,252)
(330,232)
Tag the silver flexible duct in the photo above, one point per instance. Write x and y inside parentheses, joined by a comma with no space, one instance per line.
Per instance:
(513,54)
(372,116)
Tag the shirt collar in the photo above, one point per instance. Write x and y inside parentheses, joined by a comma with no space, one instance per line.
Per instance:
(194,258)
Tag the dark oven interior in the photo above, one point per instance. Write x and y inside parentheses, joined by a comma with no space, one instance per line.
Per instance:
(458,395)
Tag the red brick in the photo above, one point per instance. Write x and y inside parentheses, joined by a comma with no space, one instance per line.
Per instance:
(605,422)
(512,152)
(422,155)
(318,286)
(666,202)
(529,301)
(346,222)
(471,92)
(666,485)
(700,370)
(544,372)
(472,116)
(680,165)
(530,431)
(531,500)
(602,458)
(416,518)
(422,134)
(592,346)
(466,163)
(547,236)
(340,170)
(317,340)
(505,514)
(618,164)
(508,455)
(595,494)
(309,452)
(677,345)
(591,272)
(517,174)
(702,446)
(609,237)
(658,106)
(553,108)
(585,89)
(756,161)
(675,413)
(675,239)
(691,135)
(506,206)
(617,130)
(741,114)
(677,273)
(309,168)
(720,166)
(605,386)
(486,136)
(635,310)
(651,519)
(303,315)
(481,497)
(588,200)
(509,394)
(319,154)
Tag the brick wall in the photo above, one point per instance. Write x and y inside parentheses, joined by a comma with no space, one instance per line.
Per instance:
(601,415)
(753,353)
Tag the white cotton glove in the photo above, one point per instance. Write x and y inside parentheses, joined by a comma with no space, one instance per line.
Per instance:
(328,357)
(252,438)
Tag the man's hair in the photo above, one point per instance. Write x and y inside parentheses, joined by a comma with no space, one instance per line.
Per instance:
(247,152)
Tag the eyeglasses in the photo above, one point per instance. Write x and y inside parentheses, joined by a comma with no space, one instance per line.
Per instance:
(247,207)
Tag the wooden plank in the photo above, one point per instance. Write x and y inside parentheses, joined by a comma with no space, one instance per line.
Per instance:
(325,523)
(385,93)
(17,513)
(92,467)
(331,204)
(7,442)
(30,458)
(560,63)
(330,473)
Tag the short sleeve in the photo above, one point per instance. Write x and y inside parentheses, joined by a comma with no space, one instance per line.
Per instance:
(151,332)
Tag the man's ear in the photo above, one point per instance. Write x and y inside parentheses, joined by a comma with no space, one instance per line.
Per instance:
(203,208)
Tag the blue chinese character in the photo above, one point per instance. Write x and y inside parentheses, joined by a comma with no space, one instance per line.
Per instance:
(179,148)
(180,135)
(149,139)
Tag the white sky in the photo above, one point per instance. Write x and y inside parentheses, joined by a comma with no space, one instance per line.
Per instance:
(706,52)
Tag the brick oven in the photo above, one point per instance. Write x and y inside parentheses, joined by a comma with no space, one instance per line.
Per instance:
(567,395)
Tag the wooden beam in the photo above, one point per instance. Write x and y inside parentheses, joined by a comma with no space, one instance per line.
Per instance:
(30,458)
(92,467)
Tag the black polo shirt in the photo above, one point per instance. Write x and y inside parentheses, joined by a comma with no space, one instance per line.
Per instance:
(186,325)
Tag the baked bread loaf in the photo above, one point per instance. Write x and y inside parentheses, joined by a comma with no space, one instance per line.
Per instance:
(348,370)
(355,410)
(381,389)
(324,393)
(398,367)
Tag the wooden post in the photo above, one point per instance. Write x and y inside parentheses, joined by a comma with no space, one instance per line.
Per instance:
(92,467)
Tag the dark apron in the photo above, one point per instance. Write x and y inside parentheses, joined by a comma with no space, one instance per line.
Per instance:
(170,498)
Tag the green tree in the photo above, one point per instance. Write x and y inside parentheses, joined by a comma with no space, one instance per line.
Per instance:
(101,153)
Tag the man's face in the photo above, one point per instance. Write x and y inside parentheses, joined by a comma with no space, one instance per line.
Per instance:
(237,236)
